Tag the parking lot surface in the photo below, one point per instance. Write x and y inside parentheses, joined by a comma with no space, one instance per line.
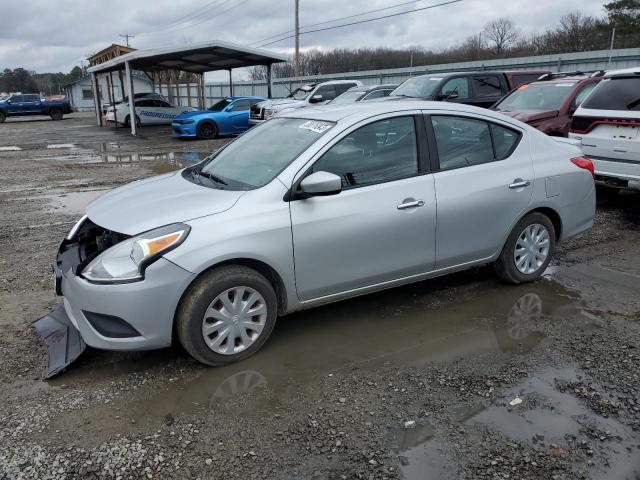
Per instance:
(460,377)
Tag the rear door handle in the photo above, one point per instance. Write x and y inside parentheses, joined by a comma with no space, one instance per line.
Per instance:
(410,203)
(519,183)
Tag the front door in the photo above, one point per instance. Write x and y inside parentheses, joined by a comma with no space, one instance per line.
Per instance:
(483,186)
(381,227)
(239,116)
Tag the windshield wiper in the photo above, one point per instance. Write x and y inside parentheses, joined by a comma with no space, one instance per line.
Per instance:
(633,104)
(213,177)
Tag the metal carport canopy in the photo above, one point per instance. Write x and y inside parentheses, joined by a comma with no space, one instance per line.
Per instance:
(195,58)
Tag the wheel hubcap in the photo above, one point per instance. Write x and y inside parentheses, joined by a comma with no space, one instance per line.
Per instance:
(234,320)
(532,249)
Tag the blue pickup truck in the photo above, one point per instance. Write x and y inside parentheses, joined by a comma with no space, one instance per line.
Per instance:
(23,104)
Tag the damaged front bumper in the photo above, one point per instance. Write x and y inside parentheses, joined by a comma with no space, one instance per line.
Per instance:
(63,341)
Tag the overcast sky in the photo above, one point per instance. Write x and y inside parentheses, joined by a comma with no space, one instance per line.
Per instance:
(55,35)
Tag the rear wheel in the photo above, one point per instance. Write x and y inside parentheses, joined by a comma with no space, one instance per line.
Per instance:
(226,315)
(55,114)
(528,250)
(207,130)
(3,117)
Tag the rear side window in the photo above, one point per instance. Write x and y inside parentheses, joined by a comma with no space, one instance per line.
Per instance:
(382,151)
(464,142)
(615,94)
(487,86)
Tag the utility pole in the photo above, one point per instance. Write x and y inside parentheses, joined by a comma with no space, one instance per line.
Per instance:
(127,36)
(297,28)
(613,38)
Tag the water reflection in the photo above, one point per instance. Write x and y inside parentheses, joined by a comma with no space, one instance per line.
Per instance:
(406,326)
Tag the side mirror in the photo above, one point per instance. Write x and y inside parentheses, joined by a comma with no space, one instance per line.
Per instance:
(316,99)
(319,184)
(448,95)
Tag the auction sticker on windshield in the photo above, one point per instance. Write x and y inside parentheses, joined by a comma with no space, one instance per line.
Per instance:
(316,126)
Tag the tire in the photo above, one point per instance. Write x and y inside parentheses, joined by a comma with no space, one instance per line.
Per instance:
(55,114)
(531,264)
(3,117)
(206,130)
(127,121)
(204,295)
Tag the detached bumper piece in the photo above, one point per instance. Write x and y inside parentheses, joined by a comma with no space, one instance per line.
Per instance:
(63,341)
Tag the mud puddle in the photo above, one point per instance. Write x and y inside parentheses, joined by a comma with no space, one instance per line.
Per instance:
(549,418)
(407,326)
(73,202)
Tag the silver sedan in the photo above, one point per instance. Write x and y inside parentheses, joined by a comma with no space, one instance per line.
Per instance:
(313,207)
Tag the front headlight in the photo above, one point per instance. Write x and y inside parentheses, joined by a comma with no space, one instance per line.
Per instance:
(126,261)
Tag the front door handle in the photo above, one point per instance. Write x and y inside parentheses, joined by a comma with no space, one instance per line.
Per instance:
(410,203)
(519,183)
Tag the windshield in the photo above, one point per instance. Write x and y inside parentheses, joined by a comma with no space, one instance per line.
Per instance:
(417,87)
(219,105)
(347,97)
(258,156)
(537,96)
(301,93)
(615,94)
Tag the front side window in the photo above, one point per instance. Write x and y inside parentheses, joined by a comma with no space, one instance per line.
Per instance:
(376,94)
(343,87)
(328,92)
(458,85)
(464,142)
(259,155)
(615,94)
(487,86)
(382,151)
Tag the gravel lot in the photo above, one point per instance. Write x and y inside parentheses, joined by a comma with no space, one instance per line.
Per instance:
(461,377)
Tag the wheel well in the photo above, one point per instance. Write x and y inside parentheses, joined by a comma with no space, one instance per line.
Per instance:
(555,134)
(264,269)
(554,217)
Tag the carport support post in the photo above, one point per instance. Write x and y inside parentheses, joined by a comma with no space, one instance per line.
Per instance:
(96,98)
(269,87)
(132,113)
(230,84)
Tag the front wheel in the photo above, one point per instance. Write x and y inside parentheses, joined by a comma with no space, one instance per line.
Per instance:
(206,130)
(528,250)
(226,315)
(127,121)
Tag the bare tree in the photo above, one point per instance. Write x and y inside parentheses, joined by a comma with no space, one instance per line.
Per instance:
(501,33)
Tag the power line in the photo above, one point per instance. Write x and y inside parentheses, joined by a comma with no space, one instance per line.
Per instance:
(198,21)
(337,19)
(363,21)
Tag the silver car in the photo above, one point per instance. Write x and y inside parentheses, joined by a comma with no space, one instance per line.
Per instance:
(313,207)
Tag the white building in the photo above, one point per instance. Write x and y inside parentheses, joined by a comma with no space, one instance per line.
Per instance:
(80,93)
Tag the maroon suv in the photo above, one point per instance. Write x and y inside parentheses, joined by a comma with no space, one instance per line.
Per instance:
(548,103)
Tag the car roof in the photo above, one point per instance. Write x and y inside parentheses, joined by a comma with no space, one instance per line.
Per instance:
(572,78)
(623,72)
(368,88)
(242,98)
(363,110)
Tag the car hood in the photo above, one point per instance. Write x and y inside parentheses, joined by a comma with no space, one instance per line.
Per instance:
(195,113)
(530,115)
(157,201)
(282,103)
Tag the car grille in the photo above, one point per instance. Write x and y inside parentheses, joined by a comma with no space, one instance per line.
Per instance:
(256,112)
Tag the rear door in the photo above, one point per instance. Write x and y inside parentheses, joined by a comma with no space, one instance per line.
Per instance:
(381,227)
(484,181)
(486,90)
(32,104)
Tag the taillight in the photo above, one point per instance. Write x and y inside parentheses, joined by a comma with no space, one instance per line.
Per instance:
(583,162)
